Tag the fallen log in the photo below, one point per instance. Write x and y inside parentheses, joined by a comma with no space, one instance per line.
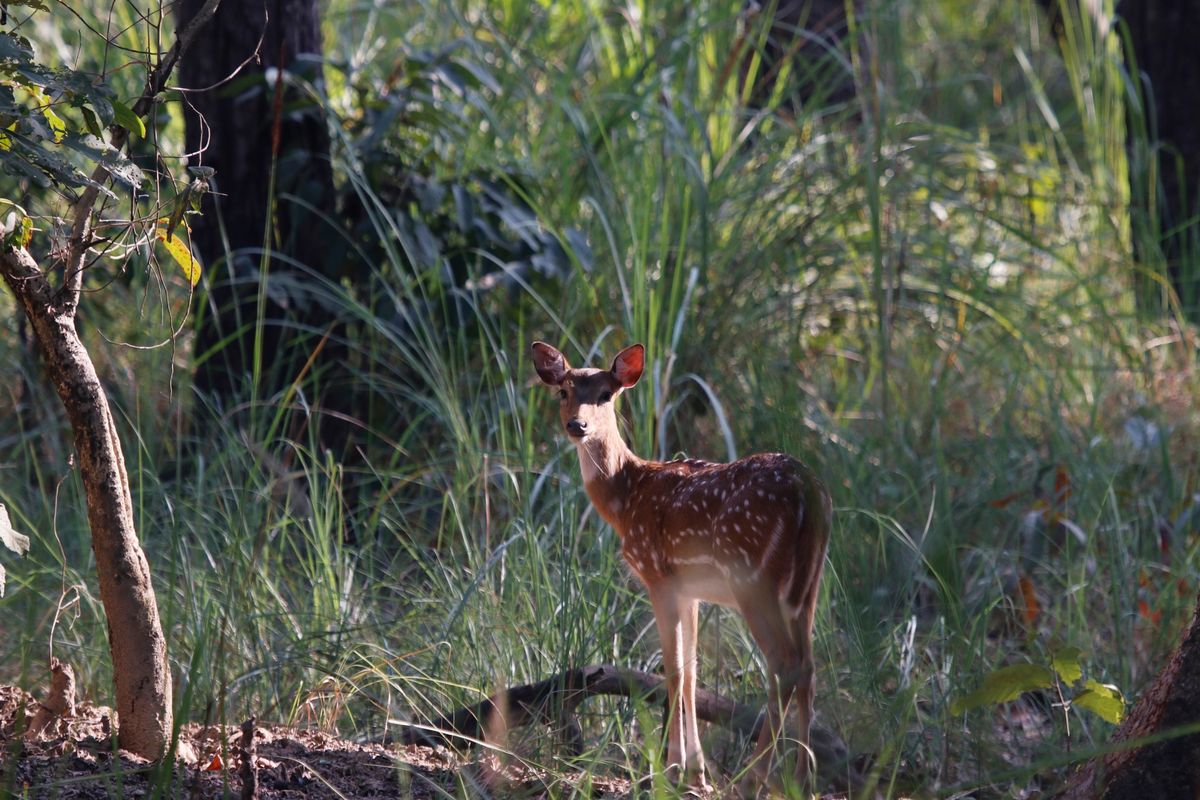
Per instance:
(553,702)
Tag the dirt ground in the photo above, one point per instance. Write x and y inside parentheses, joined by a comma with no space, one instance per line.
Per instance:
(73,758)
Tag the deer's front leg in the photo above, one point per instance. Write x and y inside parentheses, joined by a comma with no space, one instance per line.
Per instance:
(669,617)
(693,753)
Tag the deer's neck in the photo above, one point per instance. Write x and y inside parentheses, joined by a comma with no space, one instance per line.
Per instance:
(608,467)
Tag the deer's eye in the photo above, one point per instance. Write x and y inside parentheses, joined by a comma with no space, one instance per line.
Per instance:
(605,397)
(562,394)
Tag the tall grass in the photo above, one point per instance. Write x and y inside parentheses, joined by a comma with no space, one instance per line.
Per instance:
(923,294)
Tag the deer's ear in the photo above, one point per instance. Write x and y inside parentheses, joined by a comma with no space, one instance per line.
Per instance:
(551,365)
(628,365)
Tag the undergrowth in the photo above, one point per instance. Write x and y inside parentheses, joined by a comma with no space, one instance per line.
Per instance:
(928,292)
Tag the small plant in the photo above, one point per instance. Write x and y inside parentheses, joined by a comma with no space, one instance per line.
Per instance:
(1064,672)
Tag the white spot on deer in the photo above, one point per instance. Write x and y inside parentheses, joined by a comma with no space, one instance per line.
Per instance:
(690,560)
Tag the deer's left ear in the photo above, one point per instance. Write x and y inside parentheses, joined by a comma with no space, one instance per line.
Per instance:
(551,365)
(628,365)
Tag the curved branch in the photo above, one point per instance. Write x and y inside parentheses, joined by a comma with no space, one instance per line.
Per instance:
(554,701)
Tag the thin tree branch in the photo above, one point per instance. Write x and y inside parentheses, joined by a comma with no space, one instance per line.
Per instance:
(156,81)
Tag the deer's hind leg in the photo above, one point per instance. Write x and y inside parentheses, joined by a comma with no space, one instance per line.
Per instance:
(800,624)
(766,618)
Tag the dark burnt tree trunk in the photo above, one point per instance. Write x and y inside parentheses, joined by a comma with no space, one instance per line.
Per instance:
(254,129)
(1163,36)
(810,37)
(1165,186)
(1162,770)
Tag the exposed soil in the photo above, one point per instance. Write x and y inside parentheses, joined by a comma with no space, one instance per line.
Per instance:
(74,758)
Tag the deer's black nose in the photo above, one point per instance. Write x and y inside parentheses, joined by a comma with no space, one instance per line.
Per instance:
(576,427)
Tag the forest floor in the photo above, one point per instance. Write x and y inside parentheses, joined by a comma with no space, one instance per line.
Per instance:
(73,758)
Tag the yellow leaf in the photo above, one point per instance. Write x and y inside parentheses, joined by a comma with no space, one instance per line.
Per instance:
(57,127)
(182,254)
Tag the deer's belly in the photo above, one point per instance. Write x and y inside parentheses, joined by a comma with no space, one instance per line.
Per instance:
(708,585)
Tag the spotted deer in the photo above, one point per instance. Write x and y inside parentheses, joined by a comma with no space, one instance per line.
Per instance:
(750,534)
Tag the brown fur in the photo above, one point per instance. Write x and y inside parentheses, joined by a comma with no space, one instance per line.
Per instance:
(750,534)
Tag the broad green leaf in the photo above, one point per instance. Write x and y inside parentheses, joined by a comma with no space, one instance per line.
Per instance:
(52,162)
(1003,685)
(123,115)
(15,48)
(115,162)
(91,121)
(180,252)
(1102,699)
(1066,664)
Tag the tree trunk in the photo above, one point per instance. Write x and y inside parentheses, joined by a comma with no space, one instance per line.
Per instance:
(809,36)
(1163,35)
(135,637)
(1162,770)
(1164,188)
(253,131)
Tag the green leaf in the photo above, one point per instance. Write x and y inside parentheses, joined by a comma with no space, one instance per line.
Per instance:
(1102,699)
(179,251)
(92,122)
(1003,685)
(51,162)
(123,115)
(1066,663)
(115,162)
(15,48)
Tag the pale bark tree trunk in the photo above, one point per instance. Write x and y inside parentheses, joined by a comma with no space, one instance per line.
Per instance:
(135,638)
(139,651)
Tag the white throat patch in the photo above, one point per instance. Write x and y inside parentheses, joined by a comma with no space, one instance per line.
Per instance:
(589,461)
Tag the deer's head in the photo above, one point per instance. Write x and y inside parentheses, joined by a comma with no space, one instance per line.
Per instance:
(585,396)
